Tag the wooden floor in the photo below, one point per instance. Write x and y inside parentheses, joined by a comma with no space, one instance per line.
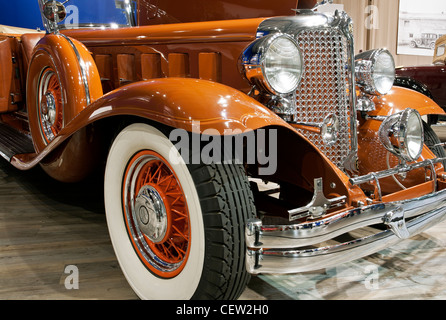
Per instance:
(46,226)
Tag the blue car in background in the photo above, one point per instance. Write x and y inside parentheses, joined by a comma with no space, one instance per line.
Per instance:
(21,13)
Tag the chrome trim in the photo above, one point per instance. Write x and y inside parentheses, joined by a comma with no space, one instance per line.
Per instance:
(430,210)
(318,206)
(307,20)
(127,6)
(365,104)
(404,168)
(322,3)
(393,134)
(52,25)
(83,68)
(253,63)
(365,64)
(309,233)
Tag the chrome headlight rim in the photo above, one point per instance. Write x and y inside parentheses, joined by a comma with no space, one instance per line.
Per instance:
(406,129)
(366,71)
(254,62)
(400,132)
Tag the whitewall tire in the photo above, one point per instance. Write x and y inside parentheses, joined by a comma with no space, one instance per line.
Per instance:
(167,219)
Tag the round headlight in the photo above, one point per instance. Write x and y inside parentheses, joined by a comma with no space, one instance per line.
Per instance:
(412,135)
(375,71)
(282,65)
(403,134)
(274,63)
(384,72)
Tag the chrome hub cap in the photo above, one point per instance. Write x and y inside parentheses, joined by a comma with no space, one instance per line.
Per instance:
(151,214)
(156,215)
(48,108)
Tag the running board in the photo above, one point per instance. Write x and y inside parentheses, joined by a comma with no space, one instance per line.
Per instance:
(14,142)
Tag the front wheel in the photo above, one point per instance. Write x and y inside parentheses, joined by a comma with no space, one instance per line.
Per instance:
(177,229)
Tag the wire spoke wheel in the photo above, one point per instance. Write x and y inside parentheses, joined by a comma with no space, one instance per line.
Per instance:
(177,228)
(50,106)
(156,214)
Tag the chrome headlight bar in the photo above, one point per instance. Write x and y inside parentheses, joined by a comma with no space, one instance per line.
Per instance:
(375,71)
(273,63)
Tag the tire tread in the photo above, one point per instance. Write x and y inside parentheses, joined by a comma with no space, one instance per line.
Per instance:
(227,202)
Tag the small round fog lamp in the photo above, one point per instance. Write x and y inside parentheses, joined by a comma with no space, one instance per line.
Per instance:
(402,134)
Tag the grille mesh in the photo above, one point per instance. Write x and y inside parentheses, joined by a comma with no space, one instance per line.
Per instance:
(324,88)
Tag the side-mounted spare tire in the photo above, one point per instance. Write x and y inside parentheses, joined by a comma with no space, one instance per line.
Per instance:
(177,228)
(62,81)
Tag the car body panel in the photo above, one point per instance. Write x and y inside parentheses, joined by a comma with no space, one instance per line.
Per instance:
(189,74)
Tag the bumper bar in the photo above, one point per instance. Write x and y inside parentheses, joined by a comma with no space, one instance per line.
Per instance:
(285,249)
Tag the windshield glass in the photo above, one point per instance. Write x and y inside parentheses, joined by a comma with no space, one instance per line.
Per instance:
(87,14)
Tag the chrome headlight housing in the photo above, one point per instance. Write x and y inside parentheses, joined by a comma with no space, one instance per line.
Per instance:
(375,71)
(402,134)
(274,63)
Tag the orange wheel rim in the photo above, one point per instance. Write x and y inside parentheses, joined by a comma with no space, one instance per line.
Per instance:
(156,214)
(50,108)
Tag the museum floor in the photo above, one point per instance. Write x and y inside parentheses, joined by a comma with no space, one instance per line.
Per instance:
(46,226)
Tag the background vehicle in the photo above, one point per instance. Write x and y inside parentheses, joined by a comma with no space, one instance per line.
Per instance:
(149,103)
(426,40)
(429,80)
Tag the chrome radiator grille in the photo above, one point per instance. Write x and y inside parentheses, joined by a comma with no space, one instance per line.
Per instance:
(324,88)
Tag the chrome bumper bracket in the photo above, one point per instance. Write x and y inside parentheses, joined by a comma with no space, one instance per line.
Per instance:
(397,223)
(318,205)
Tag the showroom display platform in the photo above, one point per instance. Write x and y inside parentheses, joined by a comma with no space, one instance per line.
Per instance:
(47,226)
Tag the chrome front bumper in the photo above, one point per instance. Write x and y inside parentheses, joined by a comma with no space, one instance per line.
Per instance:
(290,248)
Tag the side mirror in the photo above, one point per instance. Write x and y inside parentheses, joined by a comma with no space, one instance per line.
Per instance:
(54,11)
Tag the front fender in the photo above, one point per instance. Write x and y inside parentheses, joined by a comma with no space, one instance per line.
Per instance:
(373,157)
(182,103)
(187,104)
(400,99)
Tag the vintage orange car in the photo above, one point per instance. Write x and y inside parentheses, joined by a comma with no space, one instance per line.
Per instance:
(236,137)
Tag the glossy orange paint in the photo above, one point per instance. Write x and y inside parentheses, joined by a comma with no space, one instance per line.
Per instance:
(174,102)
(173,11)
(55,52)
(399,99)
(373,157)
(203,107)
(197,50)
(207,32)
(179,102)
(9,84)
